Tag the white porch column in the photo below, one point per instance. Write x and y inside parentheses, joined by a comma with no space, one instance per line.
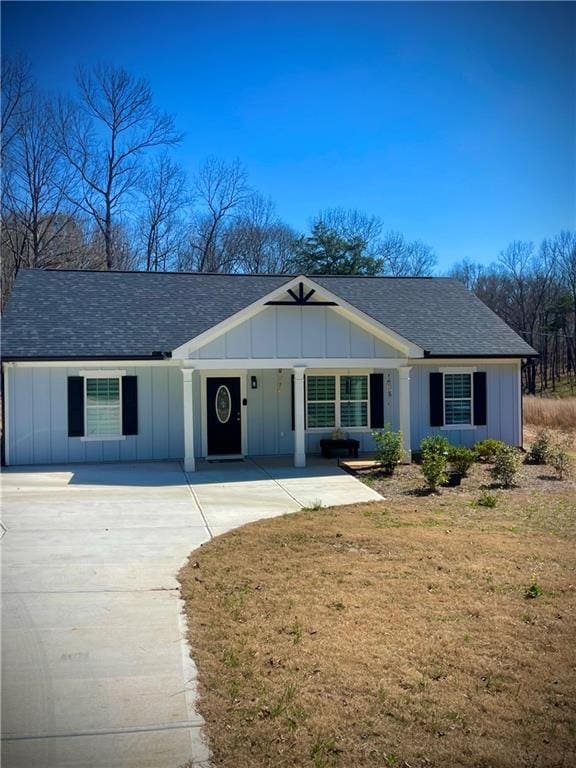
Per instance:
(404,408)
(188,395)
(299,430)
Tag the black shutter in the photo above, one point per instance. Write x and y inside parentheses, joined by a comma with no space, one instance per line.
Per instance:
(75,406)
(129,405)
(480,398)
(376,400)
(436,400)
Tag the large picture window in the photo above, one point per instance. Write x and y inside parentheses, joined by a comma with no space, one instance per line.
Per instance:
(457,398)
(337,401)
(103,407)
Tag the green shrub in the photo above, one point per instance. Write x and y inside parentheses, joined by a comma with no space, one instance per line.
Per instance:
(434,469)
(389,448)
(461,458)
(487,500)
(533,591)
(506,463)
(559,458)
(486,450)
(435,444)
(540,449)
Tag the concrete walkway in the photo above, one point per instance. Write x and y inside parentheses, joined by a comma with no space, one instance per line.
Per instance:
(95,671)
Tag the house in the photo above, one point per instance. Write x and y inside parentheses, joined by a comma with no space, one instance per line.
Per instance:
(123,366)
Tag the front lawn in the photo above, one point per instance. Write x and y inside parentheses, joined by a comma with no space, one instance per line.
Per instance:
(421,631)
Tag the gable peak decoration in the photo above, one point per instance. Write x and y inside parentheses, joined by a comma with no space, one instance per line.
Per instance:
(301,299)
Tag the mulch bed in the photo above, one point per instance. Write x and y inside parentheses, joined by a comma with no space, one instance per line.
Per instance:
(409,481)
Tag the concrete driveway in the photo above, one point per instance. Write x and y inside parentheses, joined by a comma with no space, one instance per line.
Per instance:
(95,671)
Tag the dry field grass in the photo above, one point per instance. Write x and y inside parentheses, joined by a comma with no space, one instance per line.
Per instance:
(558,413)
(396,633)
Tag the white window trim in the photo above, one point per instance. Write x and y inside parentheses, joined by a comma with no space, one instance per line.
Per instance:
(337,401)
(454,369)
(101,375)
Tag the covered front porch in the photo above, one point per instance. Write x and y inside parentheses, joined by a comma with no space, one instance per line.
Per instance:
(285,407)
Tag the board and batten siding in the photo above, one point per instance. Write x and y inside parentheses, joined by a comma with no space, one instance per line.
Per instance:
(37,418)
(296,332)
(503,400)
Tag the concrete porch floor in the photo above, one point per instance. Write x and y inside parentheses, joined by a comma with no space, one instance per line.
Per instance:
(95,670)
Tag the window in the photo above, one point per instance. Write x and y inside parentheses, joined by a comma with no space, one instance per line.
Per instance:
(103,407)
(337,401)
(353,401)
(321,392)
(457,398)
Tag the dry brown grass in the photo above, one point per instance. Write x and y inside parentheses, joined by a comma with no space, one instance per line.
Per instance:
(393,633)
(551,413)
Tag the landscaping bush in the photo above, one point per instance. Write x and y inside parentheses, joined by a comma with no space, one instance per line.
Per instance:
(486,450)
(389,448)
(434,451)
(540,449)
(461,459)
(559,459)
(434,469)
(435,444)
(506,463)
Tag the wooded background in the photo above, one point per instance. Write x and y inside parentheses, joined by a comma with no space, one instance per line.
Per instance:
(89,182)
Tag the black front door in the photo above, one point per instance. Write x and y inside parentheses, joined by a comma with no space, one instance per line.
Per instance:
(223,418)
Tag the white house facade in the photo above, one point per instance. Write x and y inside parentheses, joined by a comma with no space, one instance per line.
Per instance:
(92,373)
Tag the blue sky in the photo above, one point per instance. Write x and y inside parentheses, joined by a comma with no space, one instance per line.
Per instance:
(453,122)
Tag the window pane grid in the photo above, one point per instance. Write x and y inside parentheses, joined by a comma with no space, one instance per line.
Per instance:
(458,398)
(354,414)
(321,388)
(103,411)
(353,388)
(321,414)
(457,385)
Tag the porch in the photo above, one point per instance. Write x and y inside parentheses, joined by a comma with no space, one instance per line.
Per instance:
(286,407)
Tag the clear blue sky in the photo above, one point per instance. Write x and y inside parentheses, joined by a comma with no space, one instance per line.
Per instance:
(454,122)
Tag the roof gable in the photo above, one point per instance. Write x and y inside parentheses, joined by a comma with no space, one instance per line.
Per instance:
(302,291)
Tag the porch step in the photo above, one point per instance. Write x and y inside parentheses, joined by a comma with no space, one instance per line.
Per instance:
(358,465)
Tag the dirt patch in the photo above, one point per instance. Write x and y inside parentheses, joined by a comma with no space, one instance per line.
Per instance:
(392,633)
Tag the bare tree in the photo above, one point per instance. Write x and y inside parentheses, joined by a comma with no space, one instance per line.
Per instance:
(17,85)
(35,182)
(160,230)
(221,189)
(404,258)
(104,136)
(257,241)
(353,226)
(468,273)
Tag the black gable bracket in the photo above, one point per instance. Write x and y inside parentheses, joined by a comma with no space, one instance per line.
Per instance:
(301,299)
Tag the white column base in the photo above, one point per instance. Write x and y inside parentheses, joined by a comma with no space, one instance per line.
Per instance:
(189,464)
(299,459)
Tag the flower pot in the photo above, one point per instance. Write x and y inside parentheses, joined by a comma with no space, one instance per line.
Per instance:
(454,479)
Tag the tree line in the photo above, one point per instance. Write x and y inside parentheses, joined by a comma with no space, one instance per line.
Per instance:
(90,182)
(533,288)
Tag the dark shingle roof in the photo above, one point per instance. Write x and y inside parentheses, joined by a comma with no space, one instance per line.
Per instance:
(75,314)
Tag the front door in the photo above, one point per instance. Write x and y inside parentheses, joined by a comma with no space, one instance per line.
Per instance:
(223,418)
